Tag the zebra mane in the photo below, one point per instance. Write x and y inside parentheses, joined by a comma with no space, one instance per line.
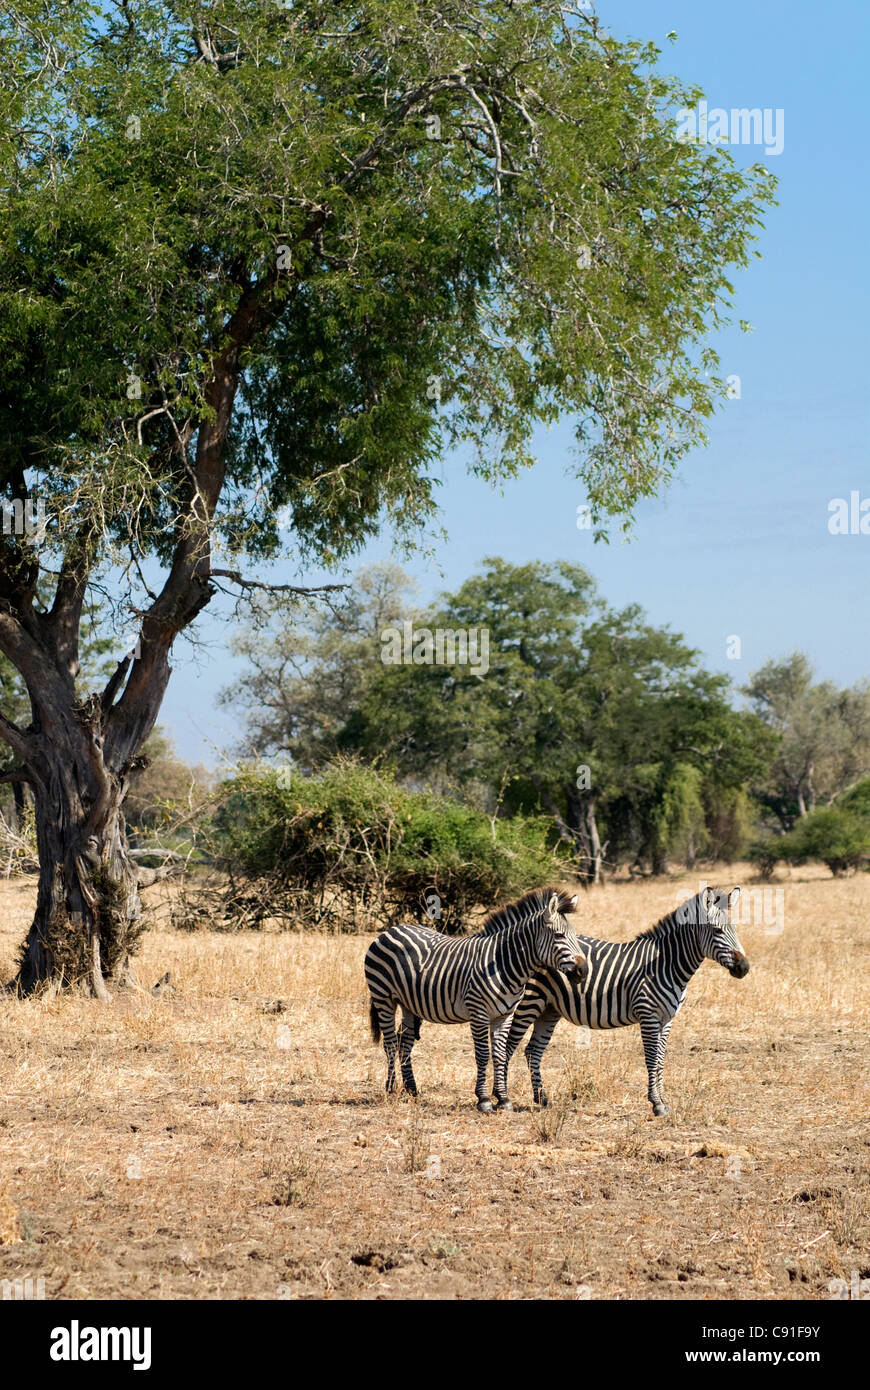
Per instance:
(688,914)
(523,908)
(681,916)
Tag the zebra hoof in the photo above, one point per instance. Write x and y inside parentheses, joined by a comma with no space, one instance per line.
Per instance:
(540,1098)
(504,1105)
(485,1107)
(661,1109)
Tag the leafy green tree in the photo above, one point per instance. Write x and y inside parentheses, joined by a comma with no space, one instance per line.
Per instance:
(602,720)
(823,735)
(259,266)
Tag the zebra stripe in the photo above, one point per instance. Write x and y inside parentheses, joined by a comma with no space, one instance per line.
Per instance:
(473,979)
(643,982)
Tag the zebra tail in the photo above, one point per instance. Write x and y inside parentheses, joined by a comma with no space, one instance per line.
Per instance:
(374,1022)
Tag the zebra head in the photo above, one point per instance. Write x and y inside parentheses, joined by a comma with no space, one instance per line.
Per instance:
(710,913)
(558,948)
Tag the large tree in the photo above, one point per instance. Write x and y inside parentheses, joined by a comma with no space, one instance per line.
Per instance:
(259,265)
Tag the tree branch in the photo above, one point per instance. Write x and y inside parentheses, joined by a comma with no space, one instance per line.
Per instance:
(243,583)
(18,774)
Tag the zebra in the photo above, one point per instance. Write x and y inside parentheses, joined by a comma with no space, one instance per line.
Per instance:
(641,981)
(473,979)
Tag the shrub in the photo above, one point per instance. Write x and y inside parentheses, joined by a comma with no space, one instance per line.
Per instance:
(350,845)
(857,800)
(765,854)
(835,834)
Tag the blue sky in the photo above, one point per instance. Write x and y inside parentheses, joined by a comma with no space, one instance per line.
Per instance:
(739,545)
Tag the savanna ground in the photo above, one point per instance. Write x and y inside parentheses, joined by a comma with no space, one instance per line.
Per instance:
(198,1144)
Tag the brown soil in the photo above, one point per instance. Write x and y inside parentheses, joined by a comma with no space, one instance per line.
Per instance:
(200,1144)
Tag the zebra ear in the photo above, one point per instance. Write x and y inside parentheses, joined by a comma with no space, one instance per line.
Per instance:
(734,899)
(553,905)
(709,899)
(572,906)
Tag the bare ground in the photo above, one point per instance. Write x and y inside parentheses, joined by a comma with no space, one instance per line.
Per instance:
(197,1145)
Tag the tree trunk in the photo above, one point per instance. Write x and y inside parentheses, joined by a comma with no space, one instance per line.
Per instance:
(658,859)
(88,912)
(595,850)
(19,813)
(690,850)
(582,827)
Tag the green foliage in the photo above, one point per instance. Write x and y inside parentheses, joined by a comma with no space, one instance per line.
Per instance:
(765,853)
(350,848)
(168,164)
(837,835)
(857,799)
(570,683)
(729,816)
(678,825)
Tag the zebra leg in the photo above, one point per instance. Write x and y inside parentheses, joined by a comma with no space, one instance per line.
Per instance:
(498,1038)
(480,1037)
(651,1032)
(408,1034)
(660,1062)
(535,1049)
(387,1019)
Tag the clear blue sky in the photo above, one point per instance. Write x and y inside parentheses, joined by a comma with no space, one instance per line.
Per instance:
(740,543)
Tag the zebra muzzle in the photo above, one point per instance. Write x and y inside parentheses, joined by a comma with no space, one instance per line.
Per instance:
(740,968)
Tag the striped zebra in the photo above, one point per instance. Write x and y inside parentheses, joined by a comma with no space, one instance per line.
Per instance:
(471,979)
(642,981)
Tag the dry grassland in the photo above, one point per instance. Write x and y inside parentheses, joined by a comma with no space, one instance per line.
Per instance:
(197,1145)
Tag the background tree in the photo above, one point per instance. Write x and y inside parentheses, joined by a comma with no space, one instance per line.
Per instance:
(823,735)
(306,668)
(165,785)
(604,722)
(261,262)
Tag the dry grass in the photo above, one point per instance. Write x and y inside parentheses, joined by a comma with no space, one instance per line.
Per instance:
(199,1145)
